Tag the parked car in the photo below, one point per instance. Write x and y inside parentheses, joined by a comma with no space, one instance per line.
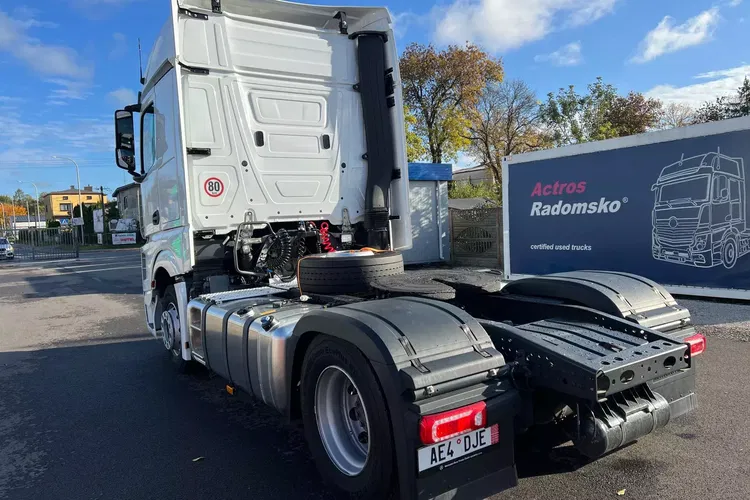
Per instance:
(6,249)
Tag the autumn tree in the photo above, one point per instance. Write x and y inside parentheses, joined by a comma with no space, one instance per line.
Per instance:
(675,115)
(415,149)
(440,90)
(505,121)
(8,210)
(599,114)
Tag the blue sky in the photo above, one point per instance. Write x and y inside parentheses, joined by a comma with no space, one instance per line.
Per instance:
(68,64)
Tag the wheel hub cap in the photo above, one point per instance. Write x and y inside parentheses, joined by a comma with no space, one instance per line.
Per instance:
(342,421)
(170,327)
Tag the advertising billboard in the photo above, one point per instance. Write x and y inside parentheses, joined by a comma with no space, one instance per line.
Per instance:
(671,206)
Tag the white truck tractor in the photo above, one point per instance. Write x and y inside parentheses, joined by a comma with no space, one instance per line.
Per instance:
(271,157)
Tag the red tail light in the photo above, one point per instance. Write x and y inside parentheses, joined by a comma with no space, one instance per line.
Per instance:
(442,426)
(697,344)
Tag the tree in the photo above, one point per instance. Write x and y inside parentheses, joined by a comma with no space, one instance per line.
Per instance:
(633,114)
(113,213)
(675,115)
(415,149)
(726,107)
(562,114)
(8,209)
(505,122)
(465,189)
(740,105)
(440,89)
(599,114)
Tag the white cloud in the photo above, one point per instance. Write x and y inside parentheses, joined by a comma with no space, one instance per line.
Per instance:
(568,55)
(123,97)
(591,11)
(404,20)
(668,37)
(23,139)
(734,3)
(119,47)
(52,60)
(501,25)
(69,89)
(718,83)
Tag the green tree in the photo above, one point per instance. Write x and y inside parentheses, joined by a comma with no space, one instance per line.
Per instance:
(599,114)
(726,107)
(113,213)
(440,89)
(465,189)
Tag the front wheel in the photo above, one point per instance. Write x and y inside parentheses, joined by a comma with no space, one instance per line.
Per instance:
(345,420)
(171,328)
(729,253)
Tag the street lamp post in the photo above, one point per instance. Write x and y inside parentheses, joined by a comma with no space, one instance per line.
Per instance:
(36,223)
(78,178)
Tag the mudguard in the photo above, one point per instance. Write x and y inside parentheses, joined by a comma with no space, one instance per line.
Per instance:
(418,348)
(623,295)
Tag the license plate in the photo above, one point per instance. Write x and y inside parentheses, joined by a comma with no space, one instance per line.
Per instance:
(462,446)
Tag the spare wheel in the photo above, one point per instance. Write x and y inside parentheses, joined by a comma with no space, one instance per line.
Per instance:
(339,273)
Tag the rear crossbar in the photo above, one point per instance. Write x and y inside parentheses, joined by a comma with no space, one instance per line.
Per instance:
(588,355)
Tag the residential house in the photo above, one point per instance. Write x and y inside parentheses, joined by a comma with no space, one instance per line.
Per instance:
(59,205)
(129,201)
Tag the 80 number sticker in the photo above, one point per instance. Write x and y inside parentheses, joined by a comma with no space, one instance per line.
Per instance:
(213,187)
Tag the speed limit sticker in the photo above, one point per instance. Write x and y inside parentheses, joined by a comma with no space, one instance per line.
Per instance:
(213,187)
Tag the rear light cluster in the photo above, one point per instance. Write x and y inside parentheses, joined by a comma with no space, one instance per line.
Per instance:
(442,426)
(697,344)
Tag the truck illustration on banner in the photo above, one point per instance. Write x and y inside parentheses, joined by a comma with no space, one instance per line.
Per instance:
(700,212)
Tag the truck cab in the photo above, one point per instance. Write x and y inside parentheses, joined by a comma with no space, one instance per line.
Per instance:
(259,129)
(699,215)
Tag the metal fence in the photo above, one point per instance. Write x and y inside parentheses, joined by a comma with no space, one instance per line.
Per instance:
(477,237)
(42,244)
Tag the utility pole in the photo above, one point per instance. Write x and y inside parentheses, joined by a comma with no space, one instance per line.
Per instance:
(78,178)
(104,216)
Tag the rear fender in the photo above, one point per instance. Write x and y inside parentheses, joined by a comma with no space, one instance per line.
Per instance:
(401,337)
(627,296)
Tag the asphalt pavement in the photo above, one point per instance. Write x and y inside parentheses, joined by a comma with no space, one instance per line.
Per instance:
(91,408)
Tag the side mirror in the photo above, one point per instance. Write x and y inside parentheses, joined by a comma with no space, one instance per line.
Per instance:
(125,140)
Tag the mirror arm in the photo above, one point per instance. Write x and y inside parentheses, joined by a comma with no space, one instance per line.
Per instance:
(133,108)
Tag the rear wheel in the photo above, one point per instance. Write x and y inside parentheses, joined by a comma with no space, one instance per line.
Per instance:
(171,328)
(345,420)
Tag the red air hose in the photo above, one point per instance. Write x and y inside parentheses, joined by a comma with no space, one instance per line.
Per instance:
(325,239)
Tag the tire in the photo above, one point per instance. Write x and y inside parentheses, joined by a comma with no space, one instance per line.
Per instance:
(169,302)
(729,253)
(375,477)
(338,274)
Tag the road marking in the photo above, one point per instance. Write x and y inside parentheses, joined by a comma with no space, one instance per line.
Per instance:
(102,270)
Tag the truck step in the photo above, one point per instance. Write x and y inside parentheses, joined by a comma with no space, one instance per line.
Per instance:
(590,358)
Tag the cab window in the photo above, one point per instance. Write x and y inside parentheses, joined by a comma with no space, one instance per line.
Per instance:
(148,138)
